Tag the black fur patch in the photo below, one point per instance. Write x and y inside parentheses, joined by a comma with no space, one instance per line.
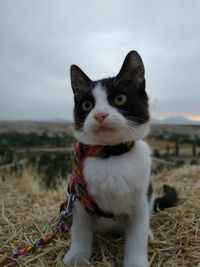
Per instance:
(168,199)
(136,106)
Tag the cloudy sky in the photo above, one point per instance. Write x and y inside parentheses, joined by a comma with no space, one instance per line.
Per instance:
(40,39)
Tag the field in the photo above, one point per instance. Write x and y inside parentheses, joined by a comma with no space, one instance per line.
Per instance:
(35,127)
(33,182)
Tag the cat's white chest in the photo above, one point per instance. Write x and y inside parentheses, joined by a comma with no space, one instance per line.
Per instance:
(115,182)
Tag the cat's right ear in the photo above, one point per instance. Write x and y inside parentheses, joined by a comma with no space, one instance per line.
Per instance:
(79,80)
(132,67)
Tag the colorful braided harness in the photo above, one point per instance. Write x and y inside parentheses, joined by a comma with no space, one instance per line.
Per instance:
(77,190)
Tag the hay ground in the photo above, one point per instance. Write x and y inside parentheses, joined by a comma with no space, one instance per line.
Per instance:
(27,212)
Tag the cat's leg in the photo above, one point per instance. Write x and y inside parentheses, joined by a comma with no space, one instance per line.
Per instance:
(137,236)
(150,235)
(81,237)
(151,202)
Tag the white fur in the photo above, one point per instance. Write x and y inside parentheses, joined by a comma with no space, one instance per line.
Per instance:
(118,184)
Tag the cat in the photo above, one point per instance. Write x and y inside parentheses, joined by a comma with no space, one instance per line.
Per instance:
(110,112)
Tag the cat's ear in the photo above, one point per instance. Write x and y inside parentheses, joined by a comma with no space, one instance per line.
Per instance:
(132,67)
(79,80)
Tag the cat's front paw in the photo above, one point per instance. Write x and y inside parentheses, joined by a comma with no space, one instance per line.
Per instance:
(139,264)
(136,262)
(76,257)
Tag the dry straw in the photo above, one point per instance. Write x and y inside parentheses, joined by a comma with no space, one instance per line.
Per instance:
(28,212)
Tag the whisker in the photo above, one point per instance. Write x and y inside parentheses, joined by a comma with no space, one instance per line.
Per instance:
(135,118)
(132,129)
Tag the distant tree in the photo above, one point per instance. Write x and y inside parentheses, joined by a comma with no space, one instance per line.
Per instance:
(193,162)
(8,156)
(194,151)
(167,151)
(180,163)
(156,153)
(177,148)
(54,166)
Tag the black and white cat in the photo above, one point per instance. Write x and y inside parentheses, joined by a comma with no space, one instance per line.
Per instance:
(109,112)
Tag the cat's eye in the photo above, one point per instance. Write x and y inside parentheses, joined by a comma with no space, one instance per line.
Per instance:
(120,99)
(87,105)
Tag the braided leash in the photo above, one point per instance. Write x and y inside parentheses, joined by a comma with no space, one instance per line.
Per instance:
(64,225)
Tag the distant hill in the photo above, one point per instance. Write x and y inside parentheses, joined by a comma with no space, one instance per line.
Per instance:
(175,121)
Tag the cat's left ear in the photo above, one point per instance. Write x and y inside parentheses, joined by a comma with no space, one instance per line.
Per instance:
(132,68)
(79,80)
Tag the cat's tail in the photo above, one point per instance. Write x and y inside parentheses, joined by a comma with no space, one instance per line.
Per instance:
(167,200)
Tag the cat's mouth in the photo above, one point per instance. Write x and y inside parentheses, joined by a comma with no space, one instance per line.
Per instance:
(105,128)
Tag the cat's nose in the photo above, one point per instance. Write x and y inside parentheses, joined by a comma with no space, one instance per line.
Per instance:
(100,117)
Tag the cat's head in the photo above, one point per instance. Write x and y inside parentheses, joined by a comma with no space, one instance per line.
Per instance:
(112,110)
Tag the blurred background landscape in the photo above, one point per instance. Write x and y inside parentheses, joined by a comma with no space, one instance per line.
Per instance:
(47,147)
